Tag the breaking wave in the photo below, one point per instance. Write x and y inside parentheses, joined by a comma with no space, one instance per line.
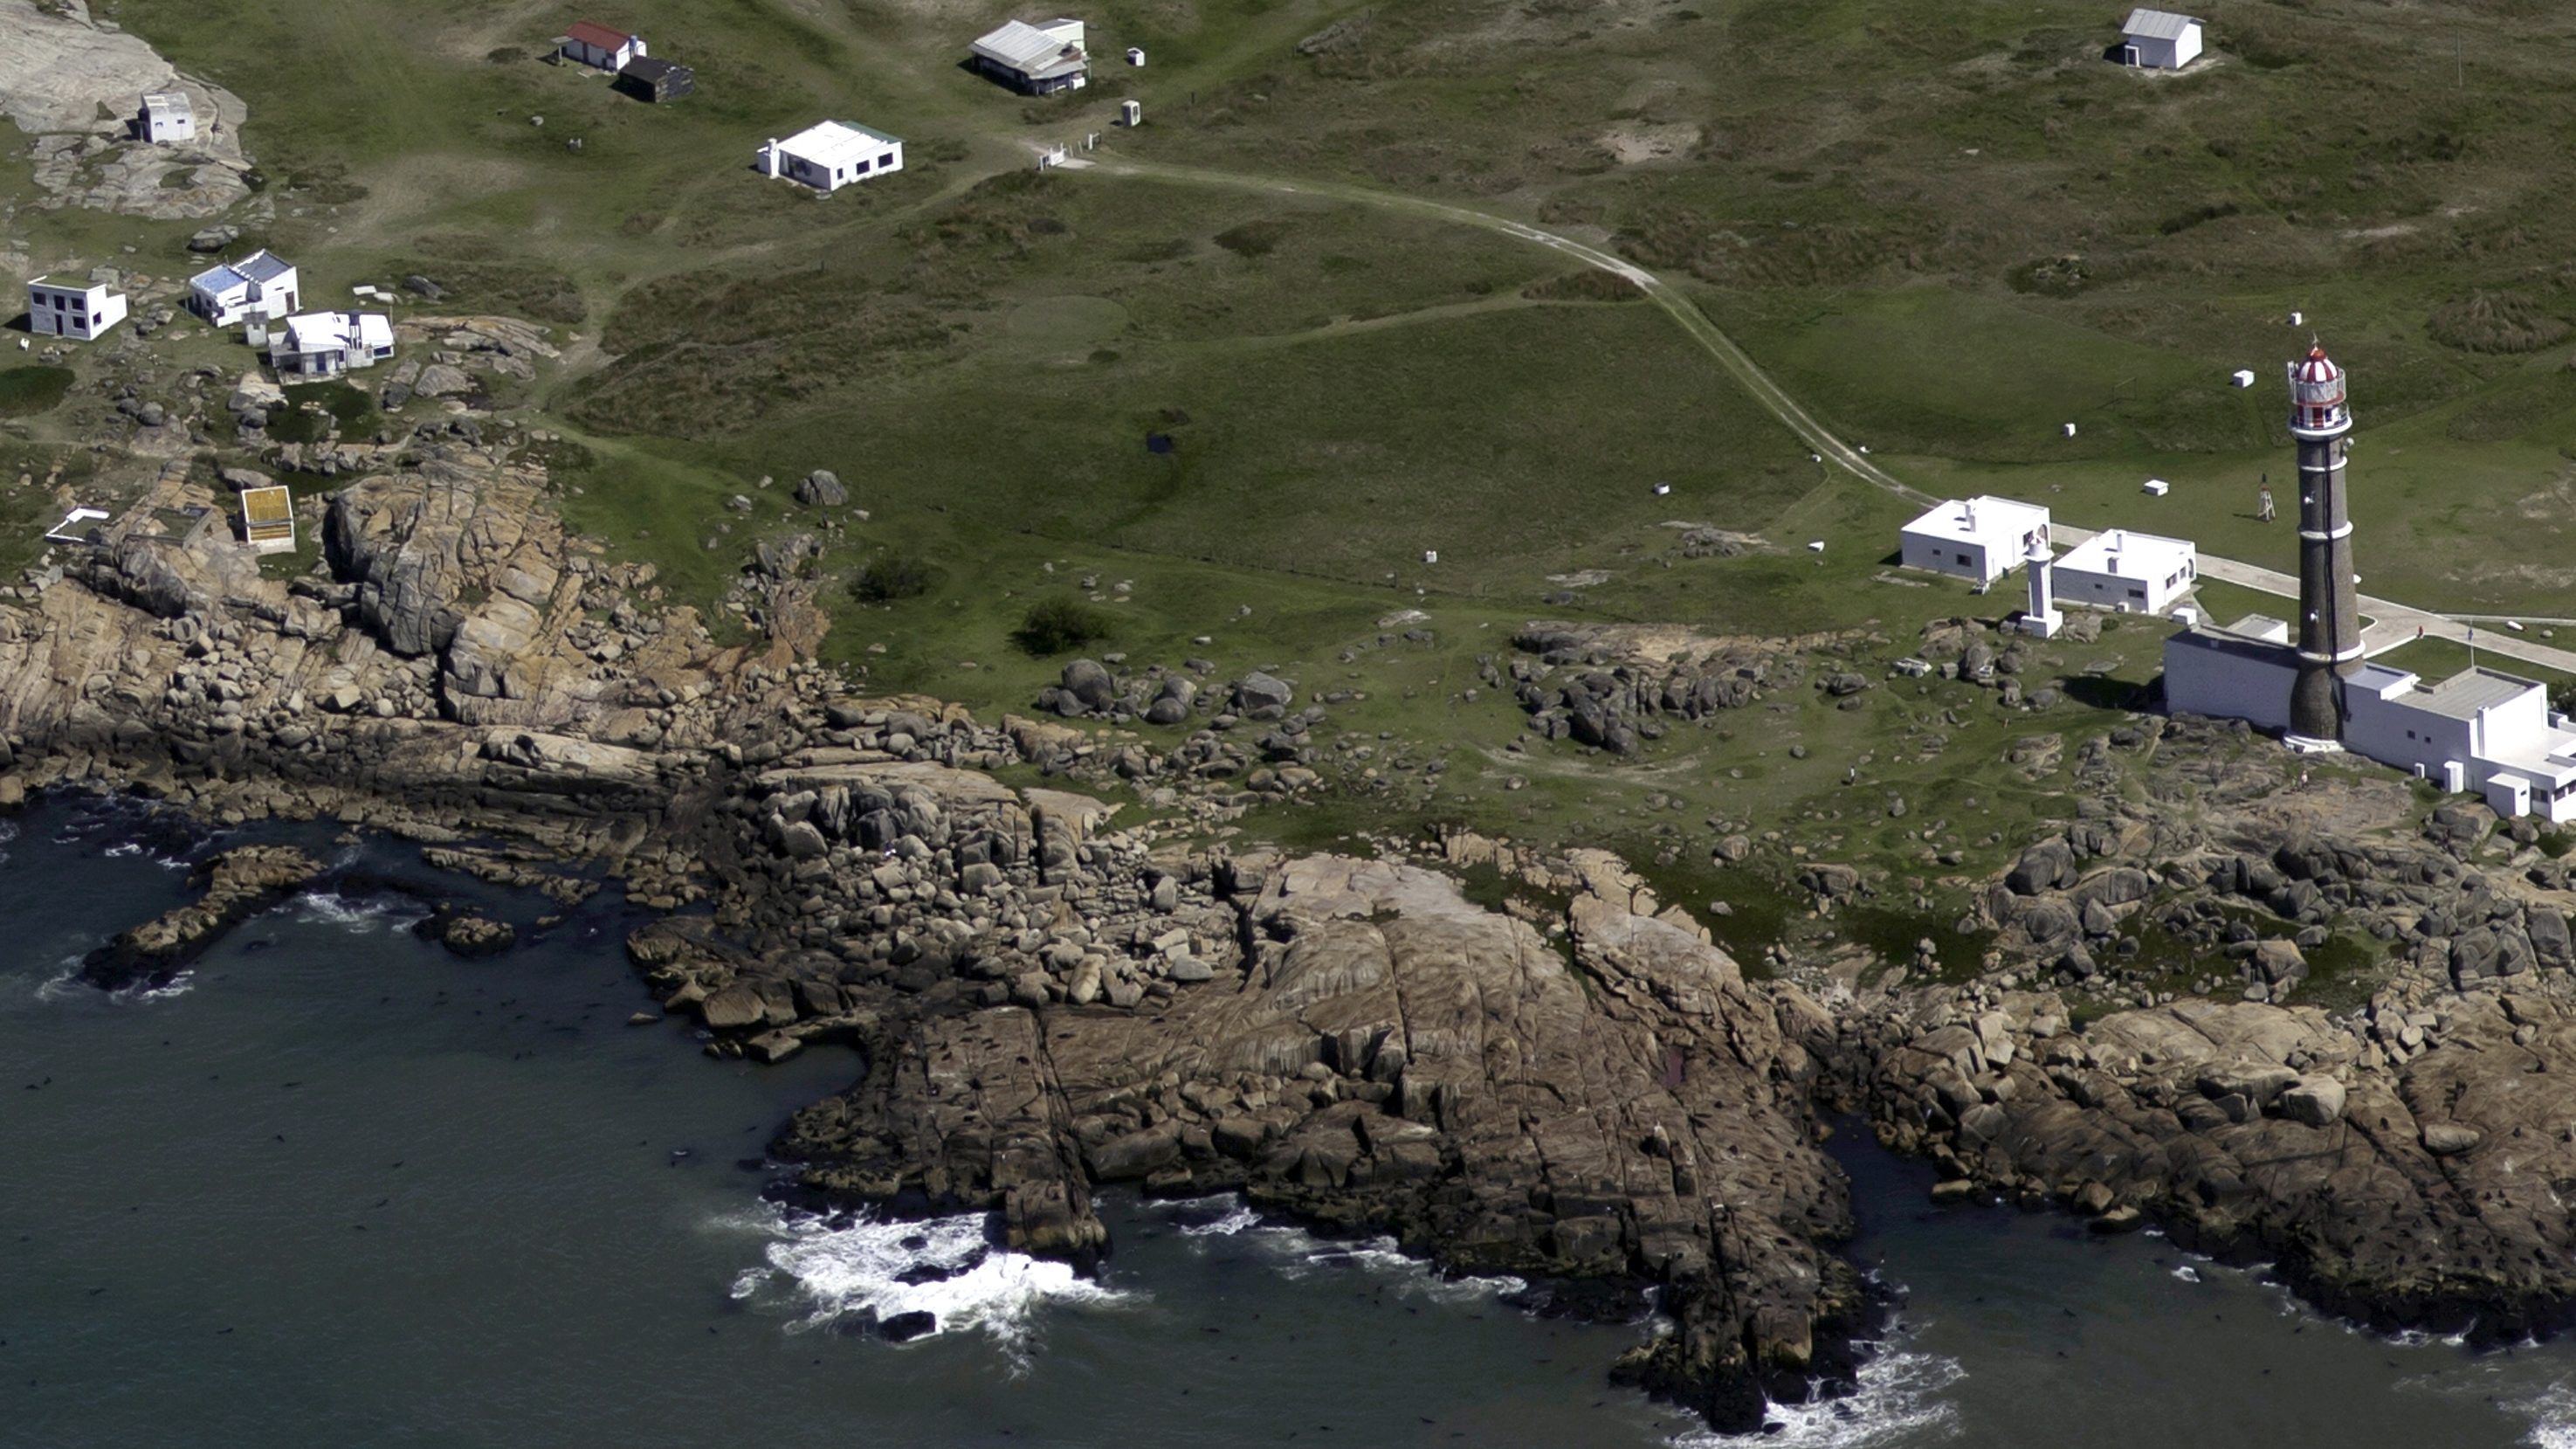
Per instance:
(1898,1401)
(1296,1254)
(853,1272)
(358,915)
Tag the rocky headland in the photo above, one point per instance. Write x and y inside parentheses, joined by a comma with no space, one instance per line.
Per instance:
(1553,1074)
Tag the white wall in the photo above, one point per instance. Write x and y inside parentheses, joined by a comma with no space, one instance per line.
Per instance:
(2222,685)
(2396,733)
(1942,555)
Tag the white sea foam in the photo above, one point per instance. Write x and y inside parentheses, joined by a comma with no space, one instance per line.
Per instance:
(1239,1220)
(2187,1273)
(2553,1414)
(1898,1401)
(844,1271)
(122,850)
(358,917)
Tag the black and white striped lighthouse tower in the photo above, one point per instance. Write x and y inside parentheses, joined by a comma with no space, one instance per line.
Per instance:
(2329,614)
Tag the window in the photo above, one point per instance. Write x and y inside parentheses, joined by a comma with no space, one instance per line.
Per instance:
(1963,561)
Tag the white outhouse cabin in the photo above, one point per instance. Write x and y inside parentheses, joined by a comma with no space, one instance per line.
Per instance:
(831,154)
(2127,572)
(167,117)
(1977,539)
(61,307)
(2159,39)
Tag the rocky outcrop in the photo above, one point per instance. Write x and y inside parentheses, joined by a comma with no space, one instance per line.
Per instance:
(61,68)
(1348,1042)
(239,884)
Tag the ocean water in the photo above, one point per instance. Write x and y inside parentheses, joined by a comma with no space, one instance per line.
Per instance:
(338,1186)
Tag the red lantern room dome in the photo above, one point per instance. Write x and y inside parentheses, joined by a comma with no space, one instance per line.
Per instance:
(2317,396)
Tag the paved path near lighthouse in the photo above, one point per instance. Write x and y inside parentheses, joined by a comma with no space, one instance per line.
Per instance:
(2392,623)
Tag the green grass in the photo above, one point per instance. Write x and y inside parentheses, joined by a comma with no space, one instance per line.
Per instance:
(33,389)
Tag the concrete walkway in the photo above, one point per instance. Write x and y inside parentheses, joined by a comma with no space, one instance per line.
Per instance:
(2391,623)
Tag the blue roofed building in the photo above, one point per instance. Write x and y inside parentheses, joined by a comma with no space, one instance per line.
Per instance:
(262,285)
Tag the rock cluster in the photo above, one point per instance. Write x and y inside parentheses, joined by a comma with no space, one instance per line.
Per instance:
(238,884)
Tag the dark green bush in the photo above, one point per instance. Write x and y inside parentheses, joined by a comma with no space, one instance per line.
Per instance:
(1060,626)
(892,577)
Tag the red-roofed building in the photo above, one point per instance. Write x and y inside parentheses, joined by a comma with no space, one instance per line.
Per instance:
(598,45)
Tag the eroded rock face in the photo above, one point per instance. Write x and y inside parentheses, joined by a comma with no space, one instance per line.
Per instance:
(1381,1054)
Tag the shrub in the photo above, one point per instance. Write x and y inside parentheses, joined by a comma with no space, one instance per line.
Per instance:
(33,389)
(892,577)
(2495,322)
(1059,626)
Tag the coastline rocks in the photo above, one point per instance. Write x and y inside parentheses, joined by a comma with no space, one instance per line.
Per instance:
(239,883)
(1354,1044)
(468,934)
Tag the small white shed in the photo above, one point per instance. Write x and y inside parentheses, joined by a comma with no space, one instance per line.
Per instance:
(167,117)
(2127,572)
(2159,39)
(1977,539)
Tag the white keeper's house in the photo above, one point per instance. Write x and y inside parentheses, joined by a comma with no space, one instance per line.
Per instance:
(2481,729)
(62,307)
(831,154)
(2127,572)
(1978,539)
(262,284)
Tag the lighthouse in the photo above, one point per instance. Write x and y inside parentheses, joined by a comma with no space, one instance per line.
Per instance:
(2042,617)
(2329,614)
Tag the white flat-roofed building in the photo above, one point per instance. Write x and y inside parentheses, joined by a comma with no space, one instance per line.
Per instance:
(1037,59)
(2132,573)
(61,307)
(327,344)
(168,117)
(832,154)
(1977,539)
(262,284)
(2159,39)
(2481,729)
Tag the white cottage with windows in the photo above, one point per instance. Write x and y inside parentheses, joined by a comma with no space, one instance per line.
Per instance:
(2159,40)
(61,307)
(1977,539)
(2127,572)
(327,344)
(262,284)
(831,155)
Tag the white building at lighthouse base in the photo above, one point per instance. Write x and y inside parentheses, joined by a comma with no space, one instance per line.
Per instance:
(2480,729)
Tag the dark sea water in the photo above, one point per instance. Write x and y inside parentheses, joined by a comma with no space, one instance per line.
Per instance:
(340,1187)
